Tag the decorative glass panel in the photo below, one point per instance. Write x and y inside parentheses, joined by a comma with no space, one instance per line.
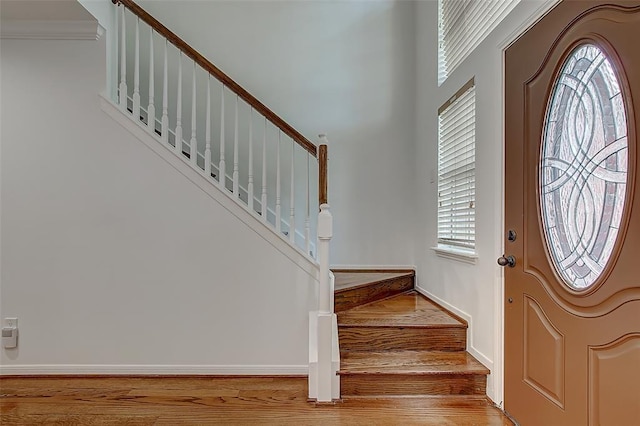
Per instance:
(583,166)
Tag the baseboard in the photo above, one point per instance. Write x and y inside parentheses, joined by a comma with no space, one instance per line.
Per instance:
(153,370)
(465,316)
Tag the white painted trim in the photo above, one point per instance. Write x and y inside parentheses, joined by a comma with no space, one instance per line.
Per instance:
(544,8)
(465,316)
(374,267)
(234,206)
(498,303)
(312,383)
(314,378)
(456,254)
(335,358)
(51,30)
(125,369)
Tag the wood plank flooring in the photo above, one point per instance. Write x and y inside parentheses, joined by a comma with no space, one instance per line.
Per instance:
(225,401)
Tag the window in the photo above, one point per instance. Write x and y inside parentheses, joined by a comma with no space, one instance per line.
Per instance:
(456,170)
(462,25)
(583,166)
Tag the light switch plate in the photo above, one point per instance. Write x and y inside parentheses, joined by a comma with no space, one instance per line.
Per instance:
(10,322)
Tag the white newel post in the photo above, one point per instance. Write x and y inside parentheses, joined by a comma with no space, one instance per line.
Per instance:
(325,371)
(325,233)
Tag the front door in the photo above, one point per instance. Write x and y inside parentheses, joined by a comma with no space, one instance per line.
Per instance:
(572,217)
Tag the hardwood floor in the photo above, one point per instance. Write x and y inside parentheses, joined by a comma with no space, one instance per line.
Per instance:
(227,401)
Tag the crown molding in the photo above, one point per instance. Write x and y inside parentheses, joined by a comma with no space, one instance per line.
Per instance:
(50,30)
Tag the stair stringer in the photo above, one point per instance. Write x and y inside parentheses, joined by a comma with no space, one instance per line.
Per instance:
(471,348)
(226,200)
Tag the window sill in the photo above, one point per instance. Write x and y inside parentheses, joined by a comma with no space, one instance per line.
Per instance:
(453,253)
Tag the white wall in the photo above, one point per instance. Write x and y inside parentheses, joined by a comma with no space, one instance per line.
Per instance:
(112,258)
(344,68)
(365,72)
(473,291)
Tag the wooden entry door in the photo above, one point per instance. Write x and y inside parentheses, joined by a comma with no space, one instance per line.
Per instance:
(572,217)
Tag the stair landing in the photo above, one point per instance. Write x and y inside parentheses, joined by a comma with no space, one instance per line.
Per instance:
(357,287)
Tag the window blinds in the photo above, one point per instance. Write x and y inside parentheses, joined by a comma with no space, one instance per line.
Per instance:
(456,169)
(462,25)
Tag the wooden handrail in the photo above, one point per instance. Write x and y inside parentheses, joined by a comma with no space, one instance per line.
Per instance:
(322,170)
(221,76)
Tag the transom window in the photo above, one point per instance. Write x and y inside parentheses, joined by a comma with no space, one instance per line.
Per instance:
(462,25)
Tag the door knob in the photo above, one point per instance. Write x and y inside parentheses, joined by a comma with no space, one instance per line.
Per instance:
(509,261)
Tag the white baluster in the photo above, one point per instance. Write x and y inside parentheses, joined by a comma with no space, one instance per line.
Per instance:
(122,89)
(263,200)
(178,146)
(151,109)
(236,170)
(165,96)
(307,220)
(250,184)
(136,74)
(278,207)
(207,136)
(193,143)
(292,209)
(222,167)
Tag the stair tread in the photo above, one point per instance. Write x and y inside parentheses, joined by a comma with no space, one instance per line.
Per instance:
(351,280)
(410,362)
(409,309)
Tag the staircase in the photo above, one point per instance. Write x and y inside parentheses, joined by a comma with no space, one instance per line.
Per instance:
(395,342)
(237,150)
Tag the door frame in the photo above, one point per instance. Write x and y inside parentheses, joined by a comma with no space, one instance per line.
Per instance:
(545,7)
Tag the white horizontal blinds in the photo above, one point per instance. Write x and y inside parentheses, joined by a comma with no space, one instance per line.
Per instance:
(462,25)
(456,169)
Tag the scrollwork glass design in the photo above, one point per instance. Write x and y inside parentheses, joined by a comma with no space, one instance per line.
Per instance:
(583,166)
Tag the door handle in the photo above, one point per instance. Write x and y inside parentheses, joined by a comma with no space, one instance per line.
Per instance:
(509,261)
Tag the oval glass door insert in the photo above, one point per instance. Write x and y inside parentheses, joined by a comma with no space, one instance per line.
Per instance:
(583,166)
